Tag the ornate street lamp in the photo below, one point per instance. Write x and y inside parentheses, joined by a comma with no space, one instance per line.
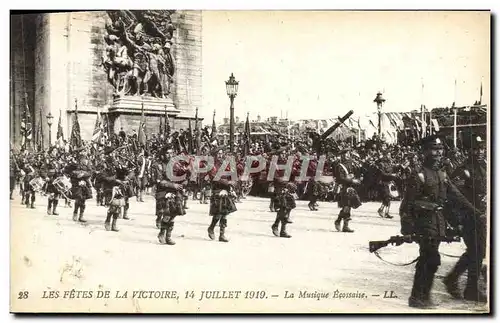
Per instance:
(379,99)
(49,122)
(232,91)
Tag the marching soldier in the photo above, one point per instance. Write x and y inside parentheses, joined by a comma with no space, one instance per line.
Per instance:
(143,174)
(386,176)
(286,205)
(29,190)
(53,172)
(112,191)
(80,186)
(221,205)
(169,199)
(421,214)
(472,179)
(349,198)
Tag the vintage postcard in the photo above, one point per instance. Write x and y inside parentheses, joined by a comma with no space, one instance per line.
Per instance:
(183,161)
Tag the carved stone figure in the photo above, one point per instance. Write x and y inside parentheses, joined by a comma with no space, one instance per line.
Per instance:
(134,60)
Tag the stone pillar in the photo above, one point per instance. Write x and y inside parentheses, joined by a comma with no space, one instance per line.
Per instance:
(188,59)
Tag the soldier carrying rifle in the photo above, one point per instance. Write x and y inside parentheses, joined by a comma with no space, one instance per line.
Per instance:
(421,213)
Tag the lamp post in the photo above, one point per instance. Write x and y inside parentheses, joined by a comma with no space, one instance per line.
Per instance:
(49,122)
(232,90)
(380,101)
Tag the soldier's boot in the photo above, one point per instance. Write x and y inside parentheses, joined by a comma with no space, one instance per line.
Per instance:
(125,213)
(54,206)
(381,211)
(10,195)
(271,206)
(287,219)
(161,236)
(82,211)
(49,207)
(311,206)
(141,195)
(472,292)
(422,284)
(185,204)
(113,224)
(275,226)
(170,228)
(337,223)
(211,228)
(222,235)
(451,280)
(32,201)
(283,233)
(75,211)
(107,223)
(346,228)
(158,221)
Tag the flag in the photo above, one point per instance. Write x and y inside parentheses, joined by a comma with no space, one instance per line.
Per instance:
(214,128)
(246,136)
(39,135)
(190,138)
(481,94)
(96,135)
(197,132)
(60,134)
(26,126)
(167,124)
(162,128)
(142,129)
(76,138)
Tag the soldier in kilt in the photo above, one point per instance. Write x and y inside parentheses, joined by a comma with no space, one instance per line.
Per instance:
(53,172)
(81,190)
(113,192)
(28,190)
(169,205)
(286,205)
(349,197)
(169,199)
(221,205)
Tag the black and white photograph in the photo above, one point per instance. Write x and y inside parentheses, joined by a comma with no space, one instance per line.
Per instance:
(180,161)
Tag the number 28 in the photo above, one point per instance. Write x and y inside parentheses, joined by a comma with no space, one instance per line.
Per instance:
(23,295)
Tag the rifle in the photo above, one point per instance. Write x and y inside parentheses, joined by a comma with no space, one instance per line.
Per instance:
(452,236)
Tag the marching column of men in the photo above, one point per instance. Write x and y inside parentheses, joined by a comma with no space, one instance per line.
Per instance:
(436,194)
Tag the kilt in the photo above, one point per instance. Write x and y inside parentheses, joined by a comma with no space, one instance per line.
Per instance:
(115,205)
(169,206)
(81,192)
(349,197)
(221,205)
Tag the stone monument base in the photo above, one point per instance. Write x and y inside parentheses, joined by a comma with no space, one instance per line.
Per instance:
(125,113)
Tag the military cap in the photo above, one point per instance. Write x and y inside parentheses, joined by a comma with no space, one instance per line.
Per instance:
(429,142)
(474,142)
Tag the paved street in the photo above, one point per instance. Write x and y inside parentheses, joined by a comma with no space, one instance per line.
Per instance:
(55,253)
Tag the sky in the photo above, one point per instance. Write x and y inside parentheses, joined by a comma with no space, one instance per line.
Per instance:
(307,64)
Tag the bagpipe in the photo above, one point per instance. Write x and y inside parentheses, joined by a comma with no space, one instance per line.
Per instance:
(452,235)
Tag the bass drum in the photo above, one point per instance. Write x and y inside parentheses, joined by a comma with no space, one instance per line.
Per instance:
(246,186)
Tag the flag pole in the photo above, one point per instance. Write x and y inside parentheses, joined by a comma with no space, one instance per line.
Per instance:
(455,117)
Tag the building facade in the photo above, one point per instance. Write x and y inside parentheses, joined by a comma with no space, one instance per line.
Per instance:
(61,62)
